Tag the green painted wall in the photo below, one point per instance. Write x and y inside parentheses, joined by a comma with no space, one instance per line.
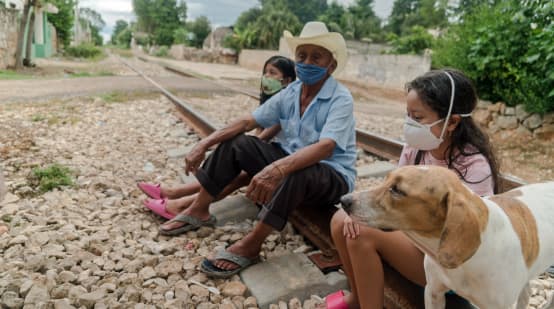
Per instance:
(40,50)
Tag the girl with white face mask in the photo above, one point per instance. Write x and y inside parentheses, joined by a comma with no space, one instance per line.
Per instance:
(438,130)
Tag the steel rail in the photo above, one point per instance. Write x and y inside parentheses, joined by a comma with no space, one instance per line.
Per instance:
(193,75)
(193,118)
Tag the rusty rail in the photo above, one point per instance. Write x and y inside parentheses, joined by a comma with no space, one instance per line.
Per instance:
(194,119)
(193,75)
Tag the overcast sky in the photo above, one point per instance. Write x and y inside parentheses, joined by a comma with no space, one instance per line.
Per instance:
(219,12)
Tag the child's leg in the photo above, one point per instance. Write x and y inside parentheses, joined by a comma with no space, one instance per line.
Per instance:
(175,206)
(362,260)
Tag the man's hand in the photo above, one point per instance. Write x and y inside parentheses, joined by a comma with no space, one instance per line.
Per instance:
(194,158)
(261,187)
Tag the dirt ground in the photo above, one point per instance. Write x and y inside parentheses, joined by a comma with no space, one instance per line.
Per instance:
(379,110)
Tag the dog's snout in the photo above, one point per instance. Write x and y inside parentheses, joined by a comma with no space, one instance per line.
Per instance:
(346,201)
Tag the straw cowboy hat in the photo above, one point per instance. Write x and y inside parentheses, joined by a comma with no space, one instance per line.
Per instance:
(316,33)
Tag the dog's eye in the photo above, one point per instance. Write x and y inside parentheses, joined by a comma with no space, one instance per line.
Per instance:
(396,192)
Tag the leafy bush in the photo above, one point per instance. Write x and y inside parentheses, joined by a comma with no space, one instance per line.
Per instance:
(181,36)
(508,50)
(83,51)
(124,38)
(51,177)
(415,42)
(163,51)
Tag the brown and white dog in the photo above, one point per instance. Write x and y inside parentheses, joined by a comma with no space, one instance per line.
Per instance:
(484,249)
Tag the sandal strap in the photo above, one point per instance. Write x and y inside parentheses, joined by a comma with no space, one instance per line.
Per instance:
(194,221)
(235,258)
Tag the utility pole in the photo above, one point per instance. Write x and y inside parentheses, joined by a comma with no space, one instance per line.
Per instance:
(21,35)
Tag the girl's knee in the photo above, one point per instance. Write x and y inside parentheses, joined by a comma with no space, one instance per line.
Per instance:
(337,223)
(366,241)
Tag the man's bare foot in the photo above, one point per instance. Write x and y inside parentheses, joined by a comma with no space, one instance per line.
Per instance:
(239,248)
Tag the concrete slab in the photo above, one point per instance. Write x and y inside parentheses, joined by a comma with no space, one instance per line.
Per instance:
(376,169)
(184,178)
(288,276)
(179,152)
(236,208)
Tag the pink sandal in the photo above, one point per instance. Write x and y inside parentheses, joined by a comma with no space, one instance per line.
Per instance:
(336,301)
(159,208)
(153,191)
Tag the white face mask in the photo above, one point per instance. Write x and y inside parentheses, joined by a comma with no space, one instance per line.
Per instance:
(419,135)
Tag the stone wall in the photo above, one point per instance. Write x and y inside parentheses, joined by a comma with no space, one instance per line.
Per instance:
(182,52)
(254,59)
(366,65)
(392,71)
(8,37)
(498,116)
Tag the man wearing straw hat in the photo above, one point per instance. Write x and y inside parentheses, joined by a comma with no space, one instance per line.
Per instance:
(310,164)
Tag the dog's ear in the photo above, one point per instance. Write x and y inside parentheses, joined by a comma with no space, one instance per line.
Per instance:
(461,234)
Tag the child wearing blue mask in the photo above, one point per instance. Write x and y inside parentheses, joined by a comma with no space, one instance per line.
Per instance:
(438,130)
(278,72)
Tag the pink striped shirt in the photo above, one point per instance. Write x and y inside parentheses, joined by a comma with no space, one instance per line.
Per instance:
(475,168)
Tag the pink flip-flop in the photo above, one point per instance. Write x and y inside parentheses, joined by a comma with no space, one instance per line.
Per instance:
(336,301)
(153,191)
(159,208)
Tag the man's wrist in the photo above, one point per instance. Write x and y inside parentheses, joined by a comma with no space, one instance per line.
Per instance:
(275,166)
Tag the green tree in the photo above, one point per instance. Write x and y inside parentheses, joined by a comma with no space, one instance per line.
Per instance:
(182,11)
(402,10)
(413,42)
(159,18)
(247,18)
(94,19)
(120,25)
(338,19)
(262,28)
(307,10)
(199,30)
(63,20)
(366,23)
(507,49)
(425,13)
(124,38)
(271,24)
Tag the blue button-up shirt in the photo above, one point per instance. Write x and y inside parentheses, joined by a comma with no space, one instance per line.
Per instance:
(329,115)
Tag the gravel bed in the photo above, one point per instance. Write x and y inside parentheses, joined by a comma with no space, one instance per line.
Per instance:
(93,245)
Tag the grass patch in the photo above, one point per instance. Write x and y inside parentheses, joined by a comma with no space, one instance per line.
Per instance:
(89,74)
(125,53)
(38,118)
(51,177)
(114,97)
(12,75)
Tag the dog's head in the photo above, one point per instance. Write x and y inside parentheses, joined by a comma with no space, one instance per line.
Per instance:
(430,201)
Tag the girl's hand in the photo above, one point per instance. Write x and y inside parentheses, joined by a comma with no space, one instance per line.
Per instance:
(351,228)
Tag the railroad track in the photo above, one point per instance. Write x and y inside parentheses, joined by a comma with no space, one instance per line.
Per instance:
(399,292)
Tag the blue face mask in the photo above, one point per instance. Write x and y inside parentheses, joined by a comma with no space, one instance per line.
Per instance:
(310,74)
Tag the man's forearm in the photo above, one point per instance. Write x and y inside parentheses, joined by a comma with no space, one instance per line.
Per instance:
(242,125)
(305,157)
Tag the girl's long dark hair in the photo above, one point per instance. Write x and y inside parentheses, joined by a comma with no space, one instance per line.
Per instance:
(434,88)
(285,65)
